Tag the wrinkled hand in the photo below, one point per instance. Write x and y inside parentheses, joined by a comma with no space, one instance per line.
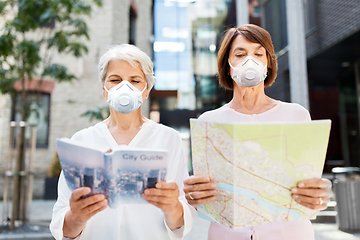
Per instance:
(84,208)
(313,193)
(81,210)
(199,190)
(165,196)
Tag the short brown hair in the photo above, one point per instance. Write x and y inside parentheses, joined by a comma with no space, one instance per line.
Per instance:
(254,34)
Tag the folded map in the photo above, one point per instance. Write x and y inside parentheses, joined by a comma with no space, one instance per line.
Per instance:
(255,166)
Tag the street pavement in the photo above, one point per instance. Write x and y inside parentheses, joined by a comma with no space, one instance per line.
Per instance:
(41,214)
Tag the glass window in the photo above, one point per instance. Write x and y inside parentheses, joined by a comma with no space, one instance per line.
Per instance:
(39,116)
(309,16)
(132,26)
(275,23)
(187,36)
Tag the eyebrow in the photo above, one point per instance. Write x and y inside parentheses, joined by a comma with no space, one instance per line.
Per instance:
(116,75)
(243,49)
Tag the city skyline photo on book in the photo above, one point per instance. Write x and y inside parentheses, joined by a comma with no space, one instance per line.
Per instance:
(121,174)
(255,166)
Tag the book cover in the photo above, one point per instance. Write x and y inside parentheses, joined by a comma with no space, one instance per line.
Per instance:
(121,174)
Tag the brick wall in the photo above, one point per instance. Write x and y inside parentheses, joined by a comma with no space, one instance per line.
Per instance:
(108,26)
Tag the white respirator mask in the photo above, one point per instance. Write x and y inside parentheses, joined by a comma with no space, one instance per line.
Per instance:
(124,97)
(249,73)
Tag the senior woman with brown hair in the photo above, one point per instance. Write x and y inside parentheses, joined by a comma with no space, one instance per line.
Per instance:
(127,77)
(247,65)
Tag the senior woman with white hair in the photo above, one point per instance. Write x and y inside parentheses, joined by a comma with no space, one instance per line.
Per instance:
(127,76)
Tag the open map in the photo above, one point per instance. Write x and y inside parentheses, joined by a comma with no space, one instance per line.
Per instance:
(255,166)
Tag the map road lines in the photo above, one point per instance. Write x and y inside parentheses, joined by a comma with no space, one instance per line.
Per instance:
(255,167)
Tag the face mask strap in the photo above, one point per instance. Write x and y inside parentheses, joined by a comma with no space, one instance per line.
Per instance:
(109,93)
(230,64)
(144,88)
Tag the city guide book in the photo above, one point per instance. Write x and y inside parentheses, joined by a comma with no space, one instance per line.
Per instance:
(121,174)
(255,166)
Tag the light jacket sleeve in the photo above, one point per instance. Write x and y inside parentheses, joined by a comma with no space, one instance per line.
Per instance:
(60,208)
(177,172)
(62,204)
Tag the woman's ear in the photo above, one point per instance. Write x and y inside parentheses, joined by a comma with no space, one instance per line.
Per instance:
(104,92)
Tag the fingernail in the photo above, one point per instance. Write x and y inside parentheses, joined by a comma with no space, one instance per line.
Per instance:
(301,185)
(295,196)
(146,191)
(206,179)
(213,192)
(105,201)
(213,185)
(294,190)
(158,185)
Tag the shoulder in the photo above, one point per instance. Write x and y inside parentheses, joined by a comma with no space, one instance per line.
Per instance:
(295,110)
(210,115)
(88,133)
(293,107)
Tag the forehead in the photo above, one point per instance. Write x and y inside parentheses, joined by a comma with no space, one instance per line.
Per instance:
(123,67)
(241,43)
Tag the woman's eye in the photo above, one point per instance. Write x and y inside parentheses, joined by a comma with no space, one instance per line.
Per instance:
(135,81)
(239,55)
(259,54)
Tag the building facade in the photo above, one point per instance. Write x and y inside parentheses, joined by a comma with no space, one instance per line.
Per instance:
(329,85)
(332,33)
(116,22)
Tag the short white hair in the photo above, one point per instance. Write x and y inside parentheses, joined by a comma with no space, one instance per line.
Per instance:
(131,54)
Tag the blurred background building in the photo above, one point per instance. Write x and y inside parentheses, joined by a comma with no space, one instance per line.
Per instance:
(332,33)
(323,76)
(183,37)
(62,104)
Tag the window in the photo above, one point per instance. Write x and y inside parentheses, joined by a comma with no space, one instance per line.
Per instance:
(38,100)
(309,16)
(39,116)
(275,23)
(132,23)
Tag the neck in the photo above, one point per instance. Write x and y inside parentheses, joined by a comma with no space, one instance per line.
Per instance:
(125,121)
(250,100)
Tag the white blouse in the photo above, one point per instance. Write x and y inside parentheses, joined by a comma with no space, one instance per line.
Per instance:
(130,221)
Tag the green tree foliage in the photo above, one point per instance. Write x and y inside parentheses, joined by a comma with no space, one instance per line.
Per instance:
(99,113)
(32,32)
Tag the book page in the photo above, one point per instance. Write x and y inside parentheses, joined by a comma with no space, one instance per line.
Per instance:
(82,166)
(121,175)
(130,172)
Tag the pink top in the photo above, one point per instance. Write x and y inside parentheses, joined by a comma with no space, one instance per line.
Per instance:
(294,230)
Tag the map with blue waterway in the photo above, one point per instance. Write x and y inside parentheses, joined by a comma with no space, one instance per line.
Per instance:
(255,166)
